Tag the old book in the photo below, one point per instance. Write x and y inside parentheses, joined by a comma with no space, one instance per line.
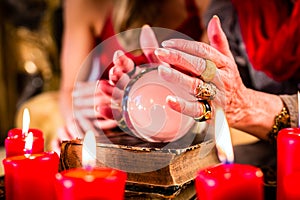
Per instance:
(153,168)
(184,192)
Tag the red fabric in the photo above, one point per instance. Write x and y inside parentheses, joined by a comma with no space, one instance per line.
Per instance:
(271,32)
(191,27)
(109,45)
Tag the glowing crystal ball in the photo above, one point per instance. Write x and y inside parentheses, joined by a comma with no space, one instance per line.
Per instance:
(145,110)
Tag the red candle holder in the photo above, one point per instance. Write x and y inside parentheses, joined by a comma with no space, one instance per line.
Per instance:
(230,181)
(15,142)
(288,150)
(31,177)
(95,183)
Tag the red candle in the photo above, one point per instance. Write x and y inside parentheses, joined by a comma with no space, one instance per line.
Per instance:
(288,150)
(31,176)
(97,183)
(90,182)
(230,181)
(15,142)
(290,186)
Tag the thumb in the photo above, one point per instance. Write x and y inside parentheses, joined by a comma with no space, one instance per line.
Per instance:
(148,43)
(217,37)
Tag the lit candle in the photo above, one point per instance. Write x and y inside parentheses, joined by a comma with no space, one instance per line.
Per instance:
(90,182)
(228,180)
(288,150)
(30,176)
(15,141)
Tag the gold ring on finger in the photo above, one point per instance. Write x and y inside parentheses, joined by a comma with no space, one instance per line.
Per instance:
(210,71)
(206,115)
(205,91)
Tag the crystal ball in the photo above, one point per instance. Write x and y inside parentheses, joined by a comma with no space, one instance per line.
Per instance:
(146,112)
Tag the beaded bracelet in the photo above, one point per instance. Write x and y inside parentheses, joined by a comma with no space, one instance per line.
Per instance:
(282,120)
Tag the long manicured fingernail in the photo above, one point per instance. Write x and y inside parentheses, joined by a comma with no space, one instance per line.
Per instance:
(171,99)
(162,52)
(117,55)
(218,19)
(165,69)
(97,108)
(167,43)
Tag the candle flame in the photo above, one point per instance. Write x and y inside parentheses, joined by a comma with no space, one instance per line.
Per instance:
(223,138)
(26,122)
(299,109)
(28,144)
(89,150)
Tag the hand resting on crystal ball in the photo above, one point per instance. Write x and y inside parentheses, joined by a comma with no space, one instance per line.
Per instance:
(246,109)
(139,94)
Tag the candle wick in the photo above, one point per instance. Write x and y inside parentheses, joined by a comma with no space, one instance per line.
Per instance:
(24,134)
(27,152)
(88,167)
(227,162)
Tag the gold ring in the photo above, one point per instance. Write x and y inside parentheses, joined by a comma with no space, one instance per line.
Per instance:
(206,111)
(206,91)
(210,71)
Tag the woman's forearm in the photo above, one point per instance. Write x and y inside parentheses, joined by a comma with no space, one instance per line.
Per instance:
(256,114)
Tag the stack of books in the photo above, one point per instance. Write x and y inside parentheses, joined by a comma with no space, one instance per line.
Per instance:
(154,170)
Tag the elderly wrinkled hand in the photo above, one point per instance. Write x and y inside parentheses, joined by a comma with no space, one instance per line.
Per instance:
(196,72)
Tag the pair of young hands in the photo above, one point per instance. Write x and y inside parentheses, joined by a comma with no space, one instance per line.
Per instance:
(93,107)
